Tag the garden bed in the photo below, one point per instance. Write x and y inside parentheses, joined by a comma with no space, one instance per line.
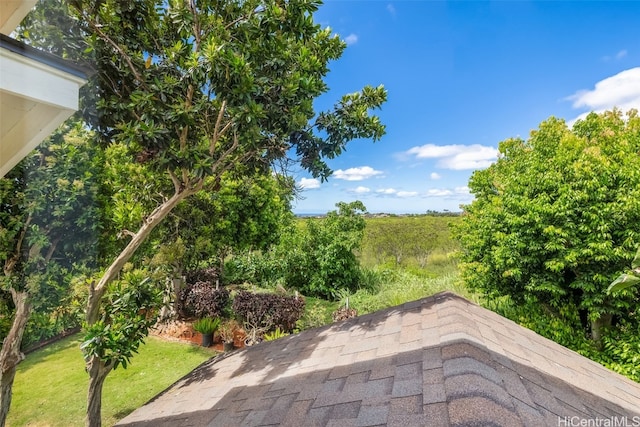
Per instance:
(182,330)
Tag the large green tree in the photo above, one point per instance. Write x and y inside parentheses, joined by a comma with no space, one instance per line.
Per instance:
(48,223)
(557,217)
(196,89)
(248,212)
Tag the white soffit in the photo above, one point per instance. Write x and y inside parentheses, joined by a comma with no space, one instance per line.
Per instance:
(35,98)
(12,12)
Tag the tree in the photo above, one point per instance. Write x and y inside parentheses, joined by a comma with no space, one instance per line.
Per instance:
(319,258)
(48,224)
(197,89)
(247,213)
(556,217)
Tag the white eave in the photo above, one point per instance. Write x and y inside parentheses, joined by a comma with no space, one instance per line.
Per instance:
(12,12)
(38,91)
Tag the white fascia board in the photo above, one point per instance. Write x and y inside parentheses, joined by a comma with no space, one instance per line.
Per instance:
(28,78)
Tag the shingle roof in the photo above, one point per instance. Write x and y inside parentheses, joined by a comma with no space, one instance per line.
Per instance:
(439,361)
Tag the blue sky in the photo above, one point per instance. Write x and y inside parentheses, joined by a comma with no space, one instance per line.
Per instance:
(461,77)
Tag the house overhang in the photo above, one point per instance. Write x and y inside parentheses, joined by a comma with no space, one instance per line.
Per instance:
(12,12)
(38,92)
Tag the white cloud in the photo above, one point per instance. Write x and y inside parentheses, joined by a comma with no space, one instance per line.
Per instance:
(461,194)
(309,183)
(351,39)
(396,193)
(618,56)
(435,175)
(438,192)
(359,190)
(458,193)
(456,156)
(621,90)
(387,191)
(405,194)
(356,174)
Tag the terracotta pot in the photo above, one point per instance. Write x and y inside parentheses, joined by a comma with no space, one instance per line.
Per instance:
(238,338)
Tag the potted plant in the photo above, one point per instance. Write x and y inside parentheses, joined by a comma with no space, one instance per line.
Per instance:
(206,326)
(227,331)
(274,335)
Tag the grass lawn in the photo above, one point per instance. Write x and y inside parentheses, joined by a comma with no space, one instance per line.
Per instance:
(50,388)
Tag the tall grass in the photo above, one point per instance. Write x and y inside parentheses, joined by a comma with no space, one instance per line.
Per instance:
(400,286)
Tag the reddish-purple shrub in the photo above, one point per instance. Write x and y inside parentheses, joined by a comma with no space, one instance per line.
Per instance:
(268,311)
(202,299)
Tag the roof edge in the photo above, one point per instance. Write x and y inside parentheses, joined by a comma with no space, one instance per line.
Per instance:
(46,58)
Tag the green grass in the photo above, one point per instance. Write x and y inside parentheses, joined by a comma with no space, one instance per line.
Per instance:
(400,286)
(317,312)
(50,388)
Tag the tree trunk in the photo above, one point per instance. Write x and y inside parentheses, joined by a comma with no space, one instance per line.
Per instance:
(10,354)
(170,300)
(96,368)
(597,327)
(6,384)
(97,291)
(98,372)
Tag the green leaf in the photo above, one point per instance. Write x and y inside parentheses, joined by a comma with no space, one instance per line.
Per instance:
(636,260)
(623,282)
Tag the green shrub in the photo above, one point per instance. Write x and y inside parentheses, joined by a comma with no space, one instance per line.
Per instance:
(319,258)
(207,325)
(621,345)
(441,258)
(239,269)
(253,267)
(400,286)
(562,326)
(130,309)
(317,313)
(372,279)
(40,327)
(621,350)
(274,335)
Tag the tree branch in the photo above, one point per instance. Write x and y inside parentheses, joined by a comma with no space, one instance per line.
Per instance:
(11,262)
(176,182)
(96,292)
(52,249)
(118,48)
(227,153)
(216,130)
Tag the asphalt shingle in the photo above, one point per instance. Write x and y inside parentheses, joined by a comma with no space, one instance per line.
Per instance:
(439,361)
